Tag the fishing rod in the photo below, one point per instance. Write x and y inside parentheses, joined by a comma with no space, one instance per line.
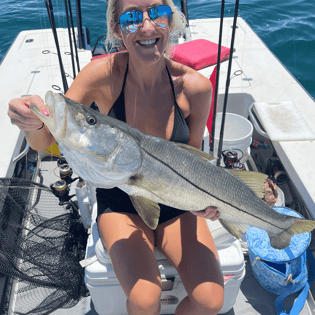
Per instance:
(70,39)
(73,35)
(211,140)
(79,23)
(228,79)
(185,10)
(50,12)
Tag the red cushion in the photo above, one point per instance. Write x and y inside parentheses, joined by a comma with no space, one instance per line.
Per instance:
(198,54)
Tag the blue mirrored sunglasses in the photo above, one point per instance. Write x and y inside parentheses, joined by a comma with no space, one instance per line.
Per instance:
(130,21)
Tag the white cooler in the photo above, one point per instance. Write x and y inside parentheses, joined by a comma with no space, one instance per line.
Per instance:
(108,297)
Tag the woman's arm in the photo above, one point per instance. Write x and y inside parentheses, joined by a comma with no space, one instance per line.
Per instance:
(36,133)
(85,89)
(198,91)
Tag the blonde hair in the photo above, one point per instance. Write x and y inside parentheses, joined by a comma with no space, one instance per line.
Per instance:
(112,40)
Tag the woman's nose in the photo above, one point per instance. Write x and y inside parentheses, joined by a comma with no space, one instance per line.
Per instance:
(147,25)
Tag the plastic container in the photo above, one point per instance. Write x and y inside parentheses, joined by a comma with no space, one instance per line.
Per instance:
(82,193)
(109,298)
(237,135)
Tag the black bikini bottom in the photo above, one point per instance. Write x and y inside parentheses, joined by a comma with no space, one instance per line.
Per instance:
(116,200)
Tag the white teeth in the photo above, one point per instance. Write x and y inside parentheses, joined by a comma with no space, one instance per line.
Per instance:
(147,42)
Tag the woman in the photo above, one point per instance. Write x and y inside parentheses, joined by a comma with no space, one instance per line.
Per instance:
(168,100)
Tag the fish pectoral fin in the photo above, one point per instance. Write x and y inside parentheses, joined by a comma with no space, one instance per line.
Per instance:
(253,180)
(283,240)
(148,210)
(236,229)
(195,151)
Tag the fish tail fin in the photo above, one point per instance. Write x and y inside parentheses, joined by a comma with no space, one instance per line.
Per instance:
(302,226)
(283,240)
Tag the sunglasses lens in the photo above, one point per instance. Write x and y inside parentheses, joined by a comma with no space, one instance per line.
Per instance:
(130,21)
(161,15)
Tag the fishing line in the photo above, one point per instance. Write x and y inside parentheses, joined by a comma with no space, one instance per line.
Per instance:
(79,23)
(53,27)
(227,83)
(211,139)
(70,38)
(236,74)
(48,62)
(73,35)
(50,68)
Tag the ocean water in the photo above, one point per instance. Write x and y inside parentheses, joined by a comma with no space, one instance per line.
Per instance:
(287,27)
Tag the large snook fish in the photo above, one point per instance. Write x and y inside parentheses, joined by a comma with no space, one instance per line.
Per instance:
(109,153)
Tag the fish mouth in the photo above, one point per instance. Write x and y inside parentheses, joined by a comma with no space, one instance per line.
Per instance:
(56,115)
(47,120)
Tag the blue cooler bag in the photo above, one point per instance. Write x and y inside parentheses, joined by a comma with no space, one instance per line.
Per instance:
(282,272)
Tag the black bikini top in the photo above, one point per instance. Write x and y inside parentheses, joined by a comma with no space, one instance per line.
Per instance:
(180,130)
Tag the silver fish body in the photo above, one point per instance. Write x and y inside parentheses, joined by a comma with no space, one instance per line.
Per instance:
(109,153)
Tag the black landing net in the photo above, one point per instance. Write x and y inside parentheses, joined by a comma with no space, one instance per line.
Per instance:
(41,244)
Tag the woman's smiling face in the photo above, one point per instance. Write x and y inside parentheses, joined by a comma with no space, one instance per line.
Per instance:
(149,41)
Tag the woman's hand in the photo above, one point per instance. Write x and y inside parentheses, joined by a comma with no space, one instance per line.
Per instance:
(210,213)
(21,115)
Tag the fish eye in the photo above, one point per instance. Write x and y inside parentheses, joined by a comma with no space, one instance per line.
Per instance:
(91,120)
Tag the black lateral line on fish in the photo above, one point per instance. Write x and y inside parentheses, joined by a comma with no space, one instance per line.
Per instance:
(250,214)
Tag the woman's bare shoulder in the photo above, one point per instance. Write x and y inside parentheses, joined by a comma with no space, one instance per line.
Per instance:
(105,69)
(193,81)
(95,82)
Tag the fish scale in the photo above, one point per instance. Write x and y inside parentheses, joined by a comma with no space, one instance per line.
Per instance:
(152,171)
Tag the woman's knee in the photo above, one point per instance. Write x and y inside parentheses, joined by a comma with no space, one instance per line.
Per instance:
(208,298)
(145,298)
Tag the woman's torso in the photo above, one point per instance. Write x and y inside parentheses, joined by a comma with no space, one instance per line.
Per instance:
(158,111)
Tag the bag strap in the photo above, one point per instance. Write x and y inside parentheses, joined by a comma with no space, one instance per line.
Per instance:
(300,301)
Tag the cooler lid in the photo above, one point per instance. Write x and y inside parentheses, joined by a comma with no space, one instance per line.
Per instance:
(232,259)
(258,241)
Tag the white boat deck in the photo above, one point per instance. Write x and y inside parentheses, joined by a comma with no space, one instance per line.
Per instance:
(26,70)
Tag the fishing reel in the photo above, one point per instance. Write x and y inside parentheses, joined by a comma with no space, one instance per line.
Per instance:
(61,190)
(231,159)
(65,171)
(62,160)
(275,170)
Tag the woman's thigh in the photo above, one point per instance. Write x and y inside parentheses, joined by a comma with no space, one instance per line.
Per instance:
(187,242)
(130,244)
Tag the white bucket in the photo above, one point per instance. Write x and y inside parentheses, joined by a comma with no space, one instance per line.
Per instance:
(237,135)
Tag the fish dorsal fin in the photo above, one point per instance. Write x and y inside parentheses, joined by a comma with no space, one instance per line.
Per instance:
(236,229)
(196,151)
(253,180)
(148,210)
